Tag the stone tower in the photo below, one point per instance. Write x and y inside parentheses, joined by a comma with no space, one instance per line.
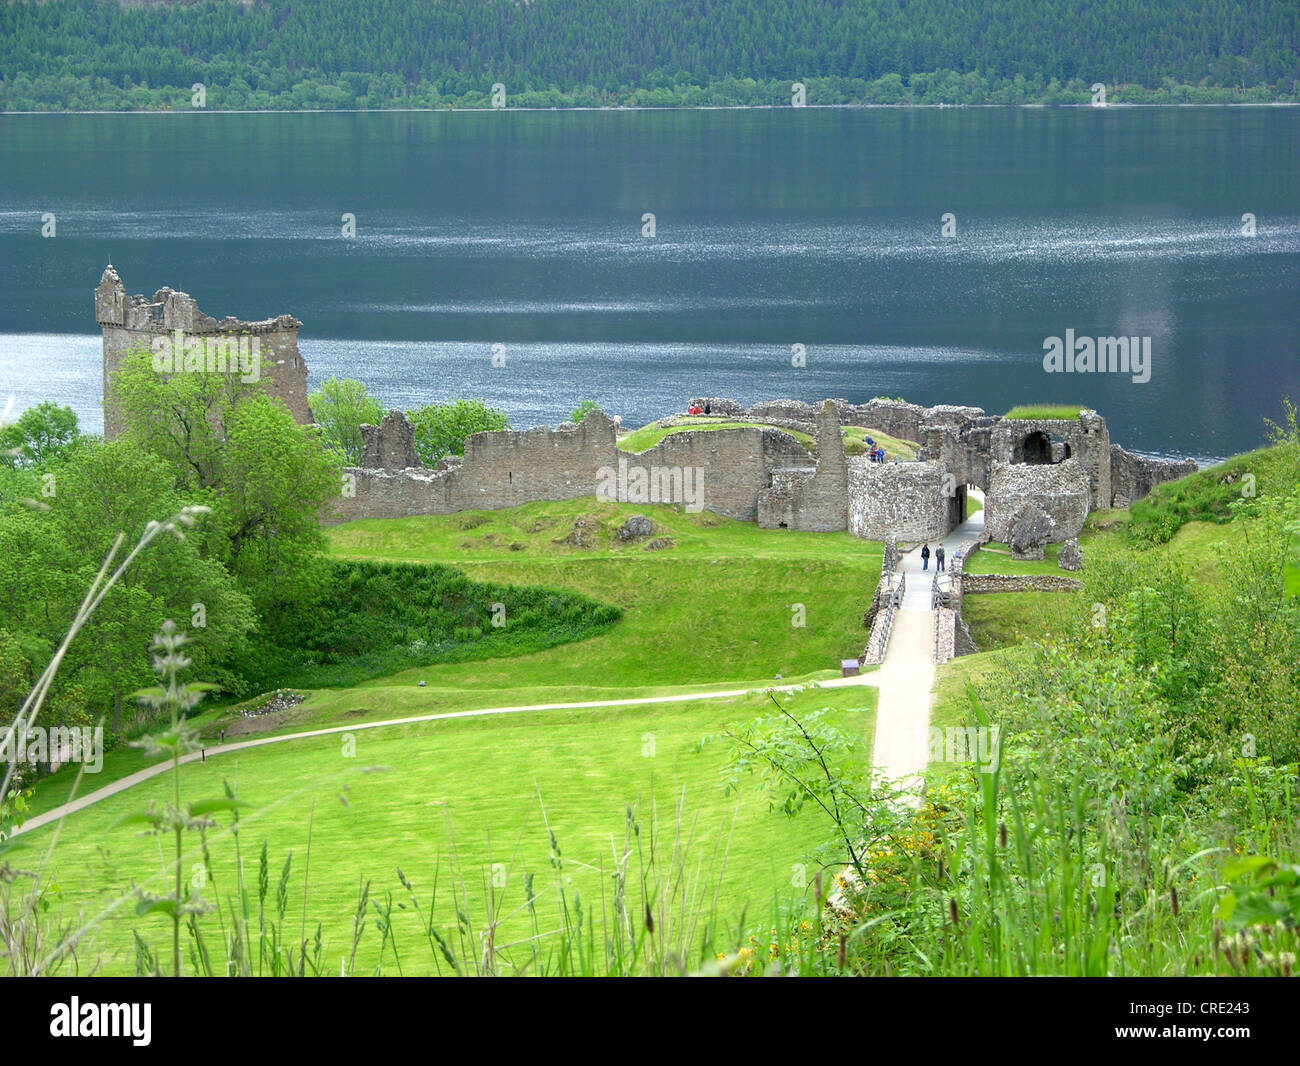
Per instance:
(173,318)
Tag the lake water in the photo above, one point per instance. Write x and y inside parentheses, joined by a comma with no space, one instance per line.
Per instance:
(776,228)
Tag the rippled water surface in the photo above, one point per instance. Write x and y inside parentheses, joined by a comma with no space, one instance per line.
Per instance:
(773,228)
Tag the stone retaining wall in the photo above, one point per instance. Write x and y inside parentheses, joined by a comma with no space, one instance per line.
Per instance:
(1133,476)
(976,584)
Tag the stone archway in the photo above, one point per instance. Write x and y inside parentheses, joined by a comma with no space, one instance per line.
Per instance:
(1039,448)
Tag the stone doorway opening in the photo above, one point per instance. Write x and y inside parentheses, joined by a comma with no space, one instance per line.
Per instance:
(1040,448)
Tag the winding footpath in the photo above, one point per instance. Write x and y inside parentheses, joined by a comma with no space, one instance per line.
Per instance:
(905,680)
(131,780)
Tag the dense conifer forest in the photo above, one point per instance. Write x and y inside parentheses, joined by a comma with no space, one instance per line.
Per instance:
(79,54)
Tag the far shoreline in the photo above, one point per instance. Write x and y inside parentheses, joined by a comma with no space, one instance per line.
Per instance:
(615,108)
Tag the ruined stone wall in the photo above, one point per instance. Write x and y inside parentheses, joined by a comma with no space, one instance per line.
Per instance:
(717,405)
(894,417)
(1061,489)
(1087,437)
(962,446)
(816,501)
(389,445)
(788,410)
(128,324)
(978,584)
(395,494)
(906,500)
(509,468)
(1132,476)
(1094,453)
(737,464)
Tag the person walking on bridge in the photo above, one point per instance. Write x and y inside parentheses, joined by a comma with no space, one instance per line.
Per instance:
(938,557)
(925,557)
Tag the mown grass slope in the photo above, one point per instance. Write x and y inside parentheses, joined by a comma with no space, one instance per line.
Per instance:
(716,605)
(449,801)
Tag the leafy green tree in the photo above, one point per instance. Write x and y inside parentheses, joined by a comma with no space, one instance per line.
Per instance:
(275,480)
(41,433)
(15,677)
(178,417)
(441,428)
(341,407)
(582,410)
(105,491)
(233,448)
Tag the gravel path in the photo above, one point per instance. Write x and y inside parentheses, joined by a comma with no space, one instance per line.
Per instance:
(906,677)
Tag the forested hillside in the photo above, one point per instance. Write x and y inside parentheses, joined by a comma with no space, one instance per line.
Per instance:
(385,53)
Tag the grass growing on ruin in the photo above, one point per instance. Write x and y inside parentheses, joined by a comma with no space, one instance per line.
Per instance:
(855,443)
(648,436)
(1045,411)
(453,799)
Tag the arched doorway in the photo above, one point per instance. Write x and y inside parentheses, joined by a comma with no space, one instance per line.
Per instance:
(1041,449)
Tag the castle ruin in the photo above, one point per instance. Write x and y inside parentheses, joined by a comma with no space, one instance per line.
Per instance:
(755,473)
(129,324)
(762,474)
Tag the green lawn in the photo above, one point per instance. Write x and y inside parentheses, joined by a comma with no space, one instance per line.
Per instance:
(995,558)
(1000,619)
(462,795)
(674,635)
(717,605)
(711,610)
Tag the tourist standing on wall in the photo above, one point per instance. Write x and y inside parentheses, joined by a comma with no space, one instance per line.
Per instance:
(925,557)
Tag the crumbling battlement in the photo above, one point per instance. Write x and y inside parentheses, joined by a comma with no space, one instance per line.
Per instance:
(389,445)
(128,324)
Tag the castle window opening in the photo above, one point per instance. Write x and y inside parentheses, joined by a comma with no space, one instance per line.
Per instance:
(1041,449)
